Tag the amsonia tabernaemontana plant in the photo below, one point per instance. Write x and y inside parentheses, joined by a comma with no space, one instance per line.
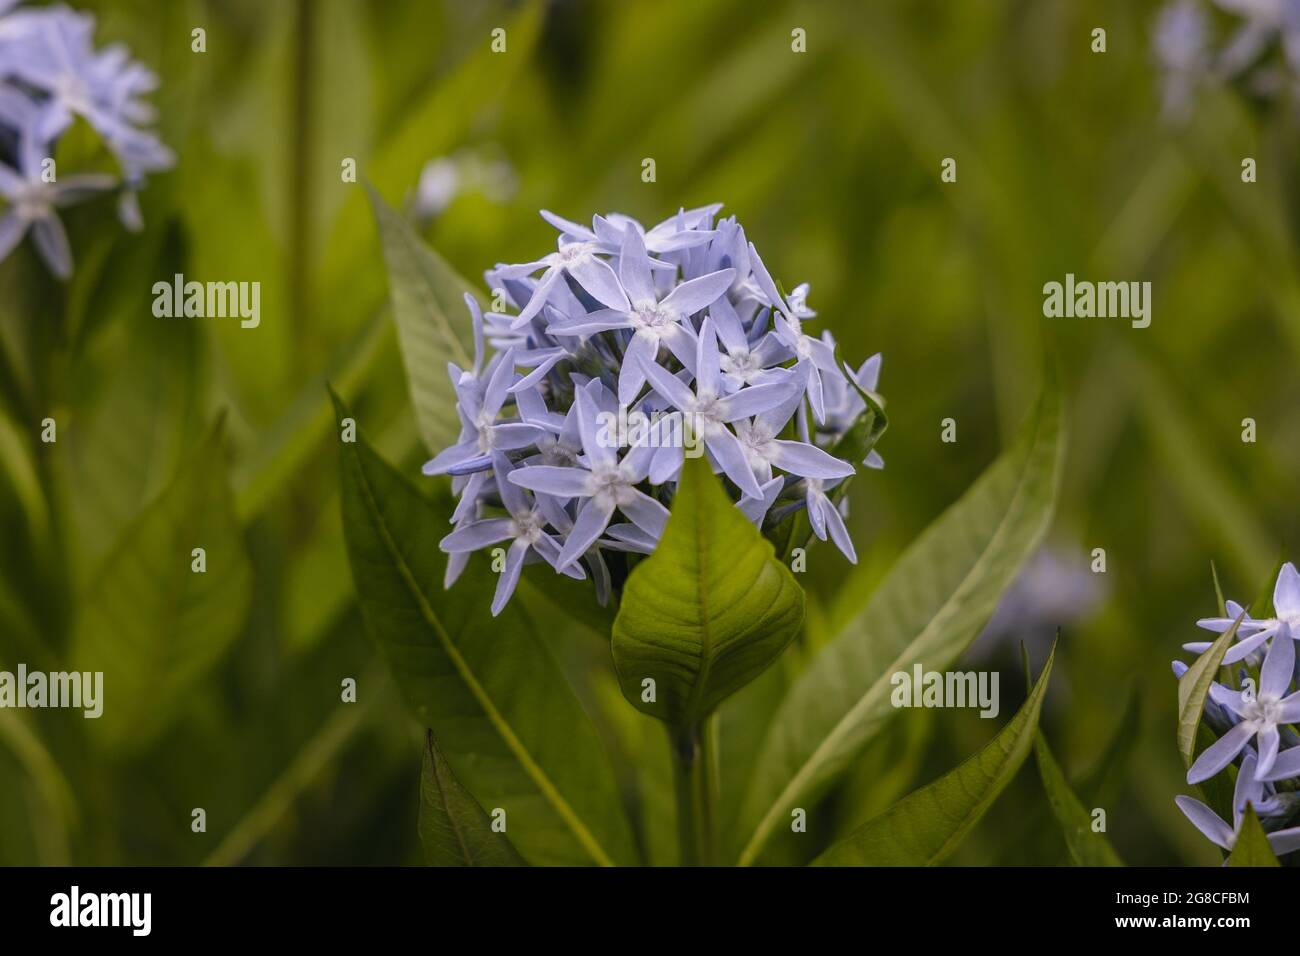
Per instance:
(632,440)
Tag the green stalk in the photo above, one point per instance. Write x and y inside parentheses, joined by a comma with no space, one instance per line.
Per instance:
(695,777)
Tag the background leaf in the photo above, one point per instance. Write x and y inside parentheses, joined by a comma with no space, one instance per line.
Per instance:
(928,609)
(708,612)
(454,829)
(514,731)
(1087,848)
(152,625)
(926,826)
(433,324)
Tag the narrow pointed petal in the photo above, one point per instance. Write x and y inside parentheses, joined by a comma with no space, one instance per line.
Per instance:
(599,279)
(809,461)
(476,535)
(726,448)
(589,526)
(1286,594)
(646,513)
(1220,753)
(1207,821)
(510,576)
(634,269)
(696,294)
(553,480)
(1279,666)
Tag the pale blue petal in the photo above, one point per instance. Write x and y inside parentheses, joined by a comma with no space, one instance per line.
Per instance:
(1207,821)
(1220,753)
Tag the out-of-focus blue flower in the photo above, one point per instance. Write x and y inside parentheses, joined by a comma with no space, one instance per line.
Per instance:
(1181,38)
(1262,48)
(32,205)
(671,326)
(50,74)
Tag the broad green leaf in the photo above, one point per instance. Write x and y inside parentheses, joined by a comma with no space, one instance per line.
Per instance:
(454,829)
(151,623)
(926,826)
(1252,847)
(928,609)
(708,612)
(488,687)
(1194,686)
(1087,847)
(131,430)
(433,324)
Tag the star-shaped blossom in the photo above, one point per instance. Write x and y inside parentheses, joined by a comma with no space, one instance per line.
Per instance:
(1181,46)
(524,529)
(1259,716)
(33,205)
(765,451)
(479,407)
(1265,21)
(1253,632)
(652,321)
(1249,791)
(746,361)
(825,516)
(576,259)
(708,410)
(606,482)
(105,87)
(677,232)
(812,353)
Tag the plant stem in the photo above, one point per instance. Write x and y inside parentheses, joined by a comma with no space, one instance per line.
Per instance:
(695,783)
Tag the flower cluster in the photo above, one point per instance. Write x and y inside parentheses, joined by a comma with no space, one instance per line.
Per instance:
(1262,48)
(629,349)
(1251,721)
(51,75)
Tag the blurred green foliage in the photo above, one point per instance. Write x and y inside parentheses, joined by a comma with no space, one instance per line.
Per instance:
(831,160)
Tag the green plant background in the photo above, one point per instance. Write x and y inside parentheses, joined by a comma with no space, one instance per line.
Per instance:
(831,160)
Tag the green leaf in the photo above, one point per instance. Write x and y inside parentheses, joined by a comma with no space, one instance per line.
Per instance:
(1194,686)
(433,324)
(926,826)
(454,829)
(928,609)
(708,612)
(133,428)
(1087,847)
(152,624)
(1108,775)
(488,687)
(1252,847)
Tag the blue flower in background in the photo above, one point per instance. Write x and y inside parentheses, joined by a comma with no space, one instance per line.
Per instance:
(680,325)
(1262,48)
(32,204)
(51,74)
